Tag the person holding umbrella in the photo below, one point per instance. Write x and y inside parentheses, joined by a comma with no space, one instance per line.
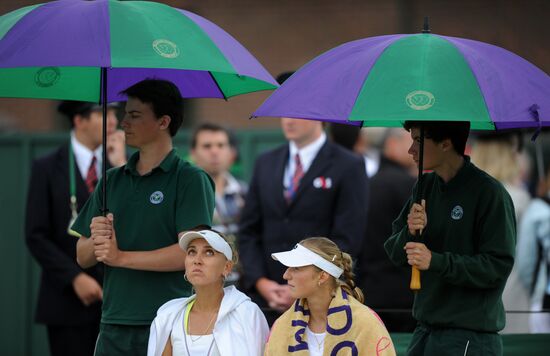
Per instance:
(466,250)
(69,300)
(152,198)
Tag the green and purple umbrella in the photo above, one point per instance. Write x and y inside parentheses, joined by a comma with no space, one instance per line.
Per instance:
(57,50)
(91,50)
(386,80)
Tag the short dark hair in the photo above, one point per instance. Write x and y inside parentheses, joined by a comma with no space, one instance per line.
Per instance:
(71,108)
(456,131)
(164,98)
(208,126)
(345,135)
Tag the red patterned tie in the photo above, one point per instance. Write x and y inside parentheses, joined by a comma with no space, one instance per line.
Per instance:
(91,177)
(298,174)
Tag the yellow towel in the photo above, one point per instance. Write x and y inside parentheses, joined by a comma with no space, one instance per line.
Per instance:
(352,329)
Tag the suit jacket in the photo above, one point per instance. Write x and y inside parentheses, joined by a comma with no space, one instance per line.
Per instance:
(384,284)
(47,218)
(331,201)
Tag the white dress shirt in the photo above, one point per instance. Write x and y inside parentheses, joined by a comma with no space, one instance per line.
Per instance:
(307,155)
(83,156)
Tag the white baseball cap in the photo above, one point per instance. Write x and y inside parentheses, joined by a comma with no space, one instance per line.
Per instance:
(302,256)
(214,239)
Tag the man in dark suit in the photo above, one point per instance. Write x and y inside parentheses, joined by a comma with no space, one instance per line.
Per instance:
(308,187)
(69,300)
(386,285)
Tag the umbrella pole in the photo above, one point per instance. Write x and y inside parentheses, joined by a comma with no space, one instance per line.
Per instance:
(104,143)
(415,272)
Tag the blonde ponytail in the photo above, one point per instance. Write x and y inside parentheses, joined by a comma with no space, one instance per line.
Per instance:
(327,249)
(347,281)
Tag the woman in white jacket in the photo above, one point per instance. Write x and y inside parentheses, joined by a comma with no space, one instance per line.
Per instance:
(215,321)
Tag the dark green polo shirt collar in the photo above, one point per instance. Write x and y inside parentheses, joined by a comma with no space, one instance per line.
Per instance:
(166,165)
(460,179)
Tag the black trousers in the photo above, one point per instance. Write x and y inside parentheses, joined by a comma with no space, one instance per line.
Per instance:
(73,340)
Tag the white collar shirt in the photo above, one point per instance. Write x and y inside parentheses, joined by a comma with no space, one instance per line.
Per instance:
(83,156)
(307,155)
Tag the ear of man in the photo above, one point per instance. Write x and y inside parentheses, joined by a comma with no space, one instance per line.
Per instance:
(447,145)
(164,122)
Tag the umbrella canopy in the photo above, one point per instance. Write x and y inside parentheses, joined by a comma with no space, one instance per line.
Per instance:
(386,80)
(56,50)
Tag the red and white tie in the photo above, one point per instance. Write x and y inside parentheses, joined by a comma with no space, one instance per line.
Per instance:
(91,177)
(296,178)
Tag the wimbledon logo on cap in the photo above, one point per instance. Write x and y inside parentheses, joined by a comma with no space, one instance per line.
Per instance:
(165,48)
(420,100)
(47,76)
(156,198)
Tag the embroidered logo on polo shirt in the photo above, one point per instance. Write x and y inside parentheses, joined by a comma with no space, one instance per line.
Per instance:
(157,197)
(457,213)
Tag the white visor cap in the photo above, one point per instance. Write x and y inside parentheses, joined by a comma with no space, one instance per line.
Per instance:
(214,239)
(301,256)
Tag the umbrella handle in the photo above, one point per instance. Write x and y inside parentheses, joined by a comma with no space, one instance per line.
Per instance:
(415,272)
(415,279)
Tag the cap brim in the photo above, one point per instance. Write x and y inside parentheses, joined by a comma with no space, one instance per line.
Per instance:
(188,237)
(291,258)
(212,238)
(302,256)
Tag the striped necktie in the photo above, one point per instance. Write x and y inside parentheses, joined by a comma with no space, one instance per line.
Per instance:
(91,177)
(296,178)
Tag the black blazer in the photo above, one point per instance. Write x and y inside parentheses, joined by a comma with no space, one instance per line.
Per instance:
(47,218)
(386,285)
(331,201)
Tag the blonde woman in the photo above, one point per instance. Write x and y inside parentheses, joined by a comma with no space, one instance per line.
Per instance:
(215,321)
(500,155)
(328,317)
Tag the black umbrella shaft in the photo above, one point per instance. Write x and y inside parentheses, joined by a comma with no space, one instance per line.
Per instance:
(104,143)
(420,167)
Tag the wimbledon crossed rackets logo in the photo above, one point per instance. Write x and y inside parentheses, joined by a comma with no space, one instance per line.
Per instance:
(165,48)
(47,76)
(156,198)
(420,100)
(457,213)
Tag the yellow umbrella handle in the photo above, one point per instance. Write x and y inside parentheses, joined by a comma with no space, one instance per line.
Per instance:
(415,273)
(415,279)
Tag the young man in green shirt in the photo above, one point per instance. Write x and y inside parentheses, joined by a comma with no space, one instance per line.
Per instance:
(466,251)
(151,200)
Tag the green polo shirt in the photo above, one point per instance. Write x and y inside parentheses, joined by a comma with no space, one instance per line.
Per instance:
(149,212)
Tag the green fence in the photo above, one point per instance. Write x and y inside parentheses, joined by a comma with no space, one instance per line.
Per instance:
(19,275)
